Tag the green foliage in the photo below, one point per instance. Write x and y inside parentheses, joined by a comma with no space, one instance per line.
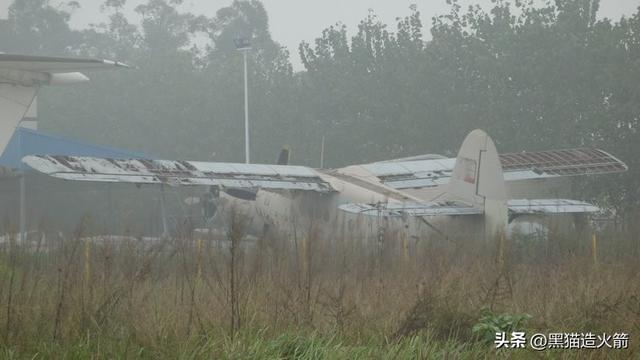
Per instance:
(288,346)
(491,323)
(534,76)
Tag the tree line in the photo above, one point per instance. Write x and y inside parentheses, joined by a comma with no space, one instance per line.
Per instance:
(534,77)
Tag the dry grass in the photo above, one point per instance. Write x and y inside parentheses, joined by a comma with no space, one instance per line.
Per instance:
(196,297)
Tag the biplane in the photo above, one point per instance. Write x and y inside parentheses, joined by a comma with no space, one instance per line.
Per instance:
(479,186)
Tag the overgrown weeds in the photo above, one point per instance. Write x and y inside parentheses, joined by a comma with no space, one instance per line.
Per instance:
(79,295)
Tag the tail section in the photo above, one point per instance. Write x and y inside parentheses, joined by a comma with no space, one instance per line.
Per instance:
(283,157)
(15,102)
(478,180)
(22,75)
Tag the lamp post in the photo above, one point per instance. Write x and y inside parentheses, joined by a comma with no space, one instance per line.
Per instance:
(244,45)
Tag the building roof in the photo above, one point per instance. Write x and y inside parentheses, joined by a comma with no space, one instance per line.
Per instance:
(32,142)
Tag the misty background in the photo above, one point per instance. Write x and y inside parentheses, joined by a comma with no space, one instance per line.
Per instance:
(377,80)
(289,20)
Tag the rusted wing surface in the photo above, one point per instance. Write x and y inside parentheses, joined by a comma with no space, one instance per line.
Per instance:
(516,166)
(178,173)
(567,162)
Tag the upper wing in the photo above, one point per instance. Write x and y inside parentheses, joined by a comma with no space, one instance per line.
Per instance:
(413,174)
(551,163)
(143,171)
(516,166)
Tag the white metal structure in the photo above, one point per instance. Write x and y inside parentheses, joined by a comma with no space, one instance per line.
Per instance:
(479,186)
(21,76)
(471,186)
(244,47)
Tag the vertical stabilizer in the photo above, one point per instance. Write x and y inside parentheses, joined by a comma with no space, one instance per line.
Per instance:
(283,157)
(477,179)
(15,101)
(22,75)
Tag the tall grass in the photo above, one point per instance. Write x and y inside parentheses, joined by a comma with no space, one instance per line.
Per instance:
(189,296)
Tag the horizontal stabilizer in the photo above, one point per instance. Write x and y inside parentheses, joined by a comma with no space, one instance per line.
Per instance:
(549,207)
(283,157)
(440,208)
(54,64)
(178,173)
(27,70)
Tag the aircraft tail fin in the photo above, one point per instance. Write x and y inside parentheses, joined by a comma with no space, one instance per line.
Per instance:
(22,75)
(15,102)
(477,174)
(283,157)
(477,179)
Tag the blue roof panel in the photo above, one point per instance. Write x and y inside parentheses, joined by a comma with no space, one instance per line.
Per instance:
(32,142)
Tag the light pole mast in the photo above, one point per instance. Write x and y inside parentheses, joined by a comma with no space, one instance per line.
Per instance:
(244,45)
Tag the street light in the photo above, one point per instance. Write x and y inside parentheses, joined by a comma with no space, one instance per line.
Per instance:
(244,45)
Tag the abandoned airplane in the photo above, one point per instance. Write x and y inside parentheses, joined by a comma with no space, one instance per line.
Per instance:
(478,190)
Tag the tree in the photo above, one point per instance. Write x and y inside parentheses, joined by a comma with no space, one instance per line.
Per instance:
(535,77)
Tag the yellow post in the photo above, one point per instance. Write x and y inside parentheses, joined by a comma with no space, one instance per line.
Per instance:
(501,253)
(594,248)
(199,247)
(405,246)
(87,264)
(303,254)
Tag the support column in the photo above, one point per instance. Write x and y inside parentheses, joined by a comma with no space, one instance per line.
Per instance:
(23,206)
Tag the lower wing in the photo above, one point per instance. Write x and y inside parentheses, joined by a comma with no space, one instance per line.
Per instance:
(516,207)
(439,208)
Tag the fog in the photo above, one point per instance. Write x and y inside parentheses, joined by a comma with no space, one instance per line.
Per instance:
(294,21)
(415,189)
